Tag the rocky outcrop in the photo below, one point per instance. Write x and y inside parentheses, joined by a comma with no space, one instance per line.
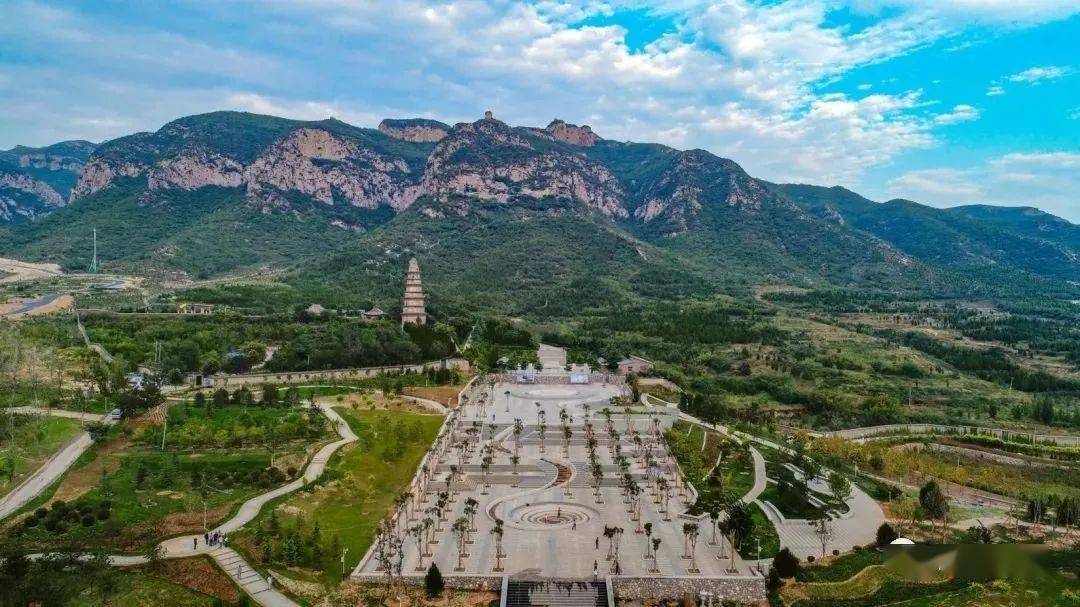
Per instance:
(99,173)
(416,130)
(332,170)
(571,133)
(39,189)
(491,161)
(194,170)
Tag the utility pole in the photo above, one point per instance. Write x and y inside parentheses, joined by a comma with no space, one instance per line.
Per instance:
(94,262)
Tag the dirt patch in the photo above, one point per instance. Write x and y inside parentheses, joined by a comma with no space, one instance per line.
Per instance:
(153,417)
(79,481)
(179,523)
(198,574)
(446,395)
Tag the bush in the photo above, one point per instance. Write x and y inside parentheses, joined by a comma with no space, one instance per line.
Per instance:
(40,512)
(786,564)
(885,534)
(88,520)
(31,522)
(433,581)
(103,514)
(810,559)
(835,552)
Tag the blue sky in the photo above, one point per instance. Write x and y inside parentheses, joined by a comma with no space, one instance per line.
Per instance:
(941,101)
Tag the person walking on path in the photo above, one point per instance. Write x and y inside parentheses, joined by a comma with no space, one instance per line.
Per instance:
(597,543)
(194,543)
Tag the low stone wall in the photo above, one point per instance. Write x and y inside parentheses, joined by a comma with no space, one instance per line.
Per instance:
(740,589)
(290,377)
(459,582)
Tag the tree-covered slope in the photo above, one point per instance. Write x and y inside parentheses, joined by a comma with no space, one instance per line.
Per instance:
(950,237)
(545,257)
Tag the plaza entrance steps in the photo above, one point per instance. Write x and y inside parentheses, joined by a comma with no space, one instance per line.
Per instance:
(555,593)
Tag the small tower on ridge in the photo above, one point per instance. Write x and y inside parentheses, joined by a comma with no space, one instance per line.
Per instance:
(412,309)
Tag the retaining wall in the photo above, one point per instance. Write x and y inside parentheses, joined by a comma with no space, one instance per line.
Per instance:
(288,377)
(740,589)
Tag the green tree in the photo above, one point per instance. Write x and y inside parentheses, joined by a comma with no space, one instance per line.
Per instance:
(933,502)
(433,581)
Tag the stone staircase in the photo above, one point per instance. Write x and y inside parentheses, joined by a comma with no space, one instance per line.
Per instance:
(555,593)
(247,578)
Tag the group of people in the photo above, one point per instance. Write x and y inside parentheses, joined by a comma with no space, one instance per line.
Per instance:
(216,538)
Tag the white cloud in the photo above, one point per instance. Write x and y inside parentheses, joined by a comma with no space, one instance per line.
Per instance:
(959,113)
(1047,180)
(741,78)
(1037,74)
(994,91)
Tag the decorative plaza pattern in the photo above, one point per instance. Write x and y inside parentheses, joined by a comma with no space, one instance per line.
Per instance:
(552,481)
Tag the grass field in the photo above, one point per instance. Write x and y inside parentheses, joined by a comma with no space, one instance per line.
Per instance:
(28,442)
(361,482)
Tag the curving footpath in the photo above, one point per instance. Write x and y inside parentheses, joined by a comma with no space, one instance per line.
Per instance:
(857,527)
(234,565)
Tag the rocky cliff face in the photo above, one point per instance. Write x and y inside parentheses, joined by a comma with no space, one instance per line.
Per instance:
(332,170)
(34,181)
(416,130)
(572,134)
(332,163)
(490,160)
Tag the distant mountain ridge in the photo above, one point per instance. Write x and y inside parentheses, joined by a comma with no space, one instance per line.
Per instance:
(35,181)
(254,189)
(976,235)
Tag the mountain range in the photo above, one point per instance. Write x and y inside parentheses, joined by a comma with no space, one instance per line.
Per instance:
(534,216)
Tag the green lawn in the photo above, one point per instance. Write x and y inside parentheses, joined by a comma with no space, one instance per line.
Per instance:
(358,490)
(31,441)
(842,567)
(763,532)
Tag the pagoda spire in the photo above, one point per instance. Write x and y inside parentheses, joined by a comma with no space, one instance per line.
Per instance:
(412,308)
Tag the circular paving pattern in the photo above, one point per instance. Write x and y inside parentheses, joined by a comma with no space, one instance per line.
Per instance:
(550,515)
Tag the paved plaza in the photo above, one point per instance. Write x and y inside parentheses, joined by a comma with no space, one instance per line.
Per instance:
(520,454)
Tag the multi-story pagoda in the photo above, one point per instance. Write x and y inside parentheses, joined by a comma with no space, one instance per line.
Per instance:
(412,310)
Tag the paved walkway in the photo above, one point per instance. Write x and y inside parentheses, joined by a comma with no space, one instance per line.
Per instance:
(229,560)
(52,469)
(857,527)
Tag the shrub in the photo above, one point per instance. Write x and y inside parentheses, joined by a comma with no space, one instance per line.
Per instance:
(885,534)
(59,505)
(292,471)
(31,521)
(433,581)
(786,564)
(40,512)
(835,552)
(88,520)
(103,514)
(810,559)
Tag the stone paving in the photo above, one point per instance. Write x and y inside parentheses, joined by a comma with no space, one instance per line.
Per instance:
(552,512)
